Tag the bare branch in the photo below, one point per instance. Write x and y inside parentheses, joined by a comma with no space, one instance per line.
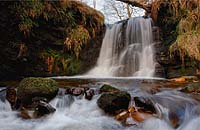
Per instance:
(138,3)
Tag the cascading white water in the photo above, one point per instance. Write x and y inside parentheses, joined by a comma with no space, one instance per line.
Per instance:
(77,113)
(127,50)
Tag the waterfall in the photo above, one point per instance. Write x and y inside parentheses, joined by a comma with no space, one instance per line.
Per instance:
(127,50)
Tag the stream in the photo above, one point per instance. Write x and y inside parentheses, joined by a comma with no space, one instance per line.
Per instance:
(77,113)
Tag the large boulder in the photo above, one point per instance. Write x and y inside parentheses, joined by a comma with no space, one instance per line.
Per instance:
(30,88)
(112,102)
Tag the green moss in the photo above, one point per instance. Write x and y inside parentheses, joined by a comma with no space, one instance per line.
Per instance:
(36,87)
(108,88)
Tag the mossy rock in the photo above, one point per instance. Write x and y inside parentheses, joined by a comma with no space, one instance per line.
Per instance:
(191,88)
(108,88)
(112,102)
(30,88)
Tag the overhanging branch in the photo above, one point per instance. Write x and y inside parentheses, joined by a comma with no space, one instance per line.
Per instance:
(138,3)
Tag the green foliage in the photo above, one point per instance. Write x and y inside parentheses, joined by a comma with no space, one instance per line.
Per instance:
(33,11)
(73,66)
(69,64)
(76,22)
(80,21)
(76,38)
(28,11)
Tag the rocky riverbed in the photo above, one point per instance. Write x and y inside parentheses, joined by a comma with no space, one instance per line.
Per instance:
(105,104)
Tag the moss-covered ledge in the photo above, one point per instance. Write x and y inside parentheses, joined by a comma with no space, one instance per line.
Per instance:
(45,38)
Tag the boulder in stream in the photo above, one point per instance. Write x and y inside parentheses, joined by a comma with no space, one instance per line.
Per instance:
(146,104)
(36,87)
(89,94)
(43,108)
(112,102)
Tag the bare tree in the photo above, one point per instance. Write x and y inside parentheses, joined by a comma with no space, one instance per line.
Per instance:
(94,3)
(145,4)
(115,10)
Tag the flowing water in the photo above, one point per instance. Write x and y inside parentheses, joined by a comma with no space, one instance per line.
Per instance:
(127,50)
(77,113)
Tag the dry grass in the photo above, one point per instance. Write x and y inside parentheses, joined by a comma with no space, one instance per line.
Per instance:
(187,14)
(175,6)
(188,40)
(98,17)
(187,44)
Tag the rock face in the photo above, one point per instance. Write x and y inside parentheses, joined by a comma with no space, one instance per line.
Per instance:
(41,51)
(112,102)
(30,88)
(174,65)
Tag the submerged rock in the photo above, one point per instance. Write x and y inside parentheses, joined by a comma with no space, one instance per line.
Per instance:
(191,88)
(112,102)
(36,87)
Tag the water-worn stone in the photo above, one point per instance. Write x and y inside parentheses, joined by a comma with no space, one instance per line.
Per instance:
(36,87)
(11,95)
(24,114)
(191,88)
(89,94)
(75,91)
(146,104)
(43,108)
(114,101)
